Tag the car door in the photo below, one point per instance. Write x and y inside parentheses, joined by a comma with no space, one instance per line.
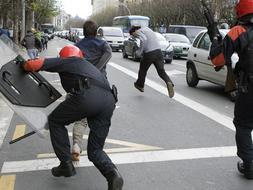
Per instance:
(205,65)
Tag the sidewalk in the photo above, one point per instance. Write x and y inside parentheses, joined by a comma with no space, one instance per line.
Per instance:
(5,118)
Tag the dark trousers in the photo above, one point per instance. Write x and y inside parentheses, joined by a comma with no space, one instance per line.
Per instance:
(95,104)
(243,122)
(154,57)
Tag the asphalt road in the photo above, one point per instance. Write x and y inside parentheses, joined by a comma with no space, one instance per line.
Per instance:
(158,143)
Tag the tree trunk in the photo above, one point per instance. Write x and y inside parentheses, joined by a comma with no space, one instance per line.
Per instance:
(23,29)
(29,19)
(16,5)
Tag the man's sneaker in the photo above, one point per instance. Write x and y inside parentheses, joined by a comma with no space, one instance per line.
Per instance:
(76,152)
(170,86)
(65,169)
(138,87)
(246,169)
(115,180)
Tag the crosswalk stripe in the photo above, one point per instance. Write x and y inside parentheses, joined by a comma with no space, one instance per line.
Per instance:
(130,147)
(126,158)
(111,150)
(19,131)
(7,182)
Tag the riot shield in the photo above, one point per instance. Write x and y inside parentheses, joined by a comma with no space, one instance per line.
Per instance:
(28,94)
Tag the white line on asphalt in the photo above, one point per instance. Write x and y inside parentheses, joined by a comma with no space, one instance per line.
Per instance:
(177,64)
(204,110)
(175,72)
(126,158)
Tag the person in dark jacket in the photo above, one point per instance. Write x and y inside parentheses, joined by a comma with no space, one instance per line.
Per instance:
(240,40)
(151,53)
(97,52)
(29,42)
(90,97)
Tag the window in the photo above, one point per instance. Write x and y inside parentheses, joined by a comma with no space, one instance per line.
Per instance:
(205,42)
(195,43)
(180,30)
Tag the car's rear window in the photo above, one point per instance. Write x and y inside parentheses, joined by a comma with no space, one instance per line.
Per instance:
(177,38)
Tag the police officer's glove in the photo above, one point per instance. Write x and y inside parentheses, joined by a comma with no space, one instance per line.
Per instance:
(33,64)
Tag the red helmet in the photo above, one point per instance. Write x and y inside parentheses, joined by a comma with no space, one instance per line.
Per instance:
(71,51)
(244,7)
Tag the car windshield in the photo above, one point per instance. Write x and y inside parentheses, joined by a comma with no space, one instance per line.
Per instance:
(192,32)
(139,22)
(113,32)
(177,38)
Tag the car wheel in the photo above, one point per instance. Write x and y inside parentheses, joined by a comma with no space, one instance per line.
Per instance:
(124,53)
(191,76)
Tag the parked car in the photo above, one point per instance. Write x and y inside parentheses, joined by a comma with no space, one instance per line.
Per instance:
(180,43)
(132,44)
(187,30)
(113,35)
(199,66)
(64,34)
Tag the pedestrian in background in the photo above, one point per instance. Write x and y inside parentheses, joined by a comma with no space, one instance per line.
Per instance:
(151,53)
(29,42)
(97,52)
(240,40)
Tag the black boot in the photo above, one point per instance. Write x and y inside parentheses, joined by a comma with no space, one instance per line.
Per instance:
(246,168)
(65,169)
(115,181)
(138,87)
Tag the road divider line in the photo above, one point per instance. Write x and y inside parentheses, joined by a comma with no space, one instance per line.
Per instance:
(126,158)
(202,109)
(19,131)
(131,147)
(108,151)
(7,182)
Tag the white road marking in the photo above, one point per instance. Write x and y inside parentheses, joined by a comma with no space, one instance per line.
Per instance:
(126,158)
(175,72)
(129,147)
(177,64)
(202,109)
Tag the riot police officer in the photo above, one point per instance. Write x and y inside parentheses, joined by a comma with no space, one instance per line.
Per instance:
(240,40)
(91,97)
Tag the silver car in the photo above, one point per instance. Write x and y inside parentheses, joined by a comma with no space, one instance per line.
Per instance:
(180,43)
(113,35)
(199,65)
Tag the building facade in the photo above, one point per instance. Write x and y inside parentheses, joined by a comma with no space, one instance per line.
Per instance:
(61,20)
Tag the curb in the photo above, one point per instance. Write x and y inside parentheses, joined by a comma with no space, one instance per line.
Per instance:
(5,118)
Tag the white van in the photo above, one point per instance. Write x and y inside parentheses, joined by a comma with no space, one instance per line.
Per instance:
(113,35)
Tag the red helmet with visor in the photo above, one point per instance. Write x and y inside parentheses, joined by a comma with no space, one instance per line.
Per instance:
(71,51)
(243,8)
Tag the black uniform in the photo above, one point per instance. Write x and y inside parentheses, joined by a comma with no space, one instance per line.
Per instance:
(240,40)
(87,100)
